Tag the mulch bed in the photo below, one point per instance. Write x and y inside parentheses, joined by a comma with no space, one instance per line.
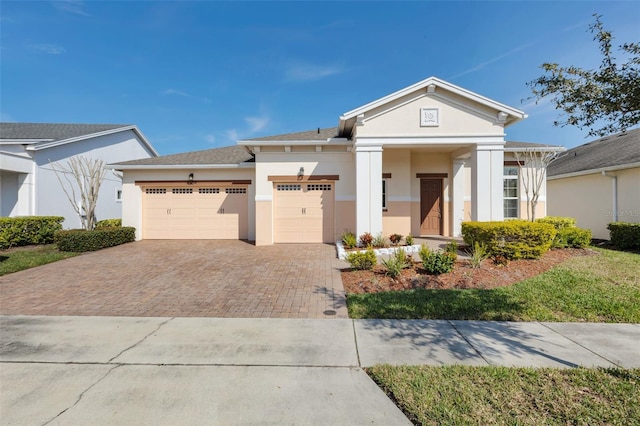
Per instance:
(463,276)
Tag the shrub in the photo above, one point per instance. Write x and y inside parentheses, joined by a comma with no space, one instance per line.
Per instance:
(409,240)
(362,261)
(478,255)
(567,235)
(625,235)
(80,240)
(366,239)
(395,239)
(109,223)
(349,240)
(379,241)
(572,237)
(396,263)
(452,249)
(558,222)
(22,231)
(513,239)
(436,262)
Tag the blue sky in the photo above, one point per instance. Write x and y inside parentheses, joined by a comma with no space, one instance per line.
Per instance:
(198,75)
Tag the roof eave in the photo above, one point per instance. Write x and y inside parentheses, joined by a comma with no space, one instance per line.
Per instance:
(594,171)
(179,166)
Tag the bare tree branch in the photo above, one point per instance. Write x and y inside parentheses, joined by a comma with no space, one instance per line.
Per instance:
(532,166)
(84,175)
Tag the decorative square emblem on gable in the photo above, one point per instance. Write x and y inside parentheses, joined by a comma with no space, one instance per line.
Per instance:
(429,117)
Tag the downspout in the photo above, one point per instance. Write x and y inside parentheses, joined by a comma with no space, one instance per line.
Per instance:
(614,189)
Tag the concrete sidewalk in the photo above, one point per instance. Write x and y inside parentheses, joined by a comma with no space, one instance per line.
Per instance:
(122,370)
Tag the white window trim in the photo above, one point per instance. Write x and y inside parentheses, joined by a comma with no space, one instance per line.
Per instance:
(118,195)
(517,197)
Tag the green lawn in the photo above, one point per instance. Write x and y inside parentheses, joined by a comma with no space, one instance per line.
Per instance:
(602,288)
(24,258)
(460,395)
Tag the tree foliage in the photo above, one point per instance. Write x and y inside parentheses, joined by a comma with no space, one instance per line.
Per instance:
(605,100)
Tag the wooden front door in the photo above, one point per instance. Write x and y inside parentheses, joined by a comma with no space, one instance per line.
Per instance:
(431,207)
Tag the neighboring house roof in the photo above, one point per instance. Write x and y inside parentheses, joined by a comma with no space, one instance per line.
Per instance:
(45,135)
(611,152)
(226,156)
(509,115)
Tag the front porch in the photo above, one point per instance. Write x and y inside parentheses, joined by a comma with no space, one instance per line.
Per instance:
(428,191)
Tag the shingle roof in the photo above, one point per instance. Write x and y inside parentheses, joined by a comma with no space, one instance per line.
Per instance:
(513,144)
(52,131)
(226,155)
(610,151)
(309,135)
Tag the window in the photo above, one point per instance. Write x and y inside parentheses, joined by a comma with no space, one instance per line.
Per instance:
(510,192)
(118,195)
(384,194)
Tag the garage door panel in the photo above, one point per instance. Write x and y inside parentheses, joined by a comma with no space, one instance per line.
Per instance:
(303,213)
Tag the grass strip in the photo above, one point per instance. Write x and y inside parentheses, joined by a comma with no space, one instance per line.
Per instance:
(24,258)
(466,395)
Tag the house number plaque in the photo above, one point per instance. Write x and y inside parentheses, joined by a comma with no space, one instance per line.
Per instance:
(429,117)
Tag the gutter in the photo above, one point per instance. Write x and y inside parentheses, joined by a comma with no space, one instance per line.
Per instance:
(614,190)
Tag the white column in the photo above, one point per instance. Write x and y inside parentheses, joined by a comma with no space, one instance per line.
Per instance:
(368,189)
(487,169)
(457,205)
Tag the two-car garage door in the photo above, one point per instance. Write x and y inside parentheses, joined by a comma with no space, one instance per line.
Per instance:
(186,212)
(302,212)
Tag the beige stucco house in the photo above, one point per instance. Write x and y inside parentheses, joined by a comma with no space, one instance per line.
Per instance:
(598,183)
(418,161)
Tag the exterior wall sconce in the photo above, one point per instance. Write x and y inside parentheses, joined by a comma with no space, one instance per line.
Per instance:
(190,180)
(301,173)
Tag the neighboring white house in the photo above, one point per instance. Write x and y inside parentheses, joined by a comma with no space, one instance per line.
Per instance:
(28,184)
(598,183)
(418,161)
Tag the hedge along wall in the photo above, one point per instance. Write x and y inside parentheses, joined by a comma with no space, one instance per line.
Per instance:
(27,230)
(625,235)
(513,239)
(80,240)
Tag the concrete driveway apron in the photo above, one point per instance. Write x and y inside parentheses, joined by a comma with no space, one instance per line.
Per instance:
(184,278)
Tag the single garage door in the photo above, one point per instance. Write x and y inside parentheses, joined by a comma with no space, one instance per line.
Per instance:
(303,212)
(199,213)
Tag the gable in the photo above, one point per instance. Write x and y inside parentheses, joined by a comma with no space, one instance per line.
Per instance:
(410,111)
(444,114)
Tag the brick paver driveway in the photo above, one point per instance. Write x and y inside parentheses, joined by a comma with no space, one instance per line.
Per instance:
(183,278)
